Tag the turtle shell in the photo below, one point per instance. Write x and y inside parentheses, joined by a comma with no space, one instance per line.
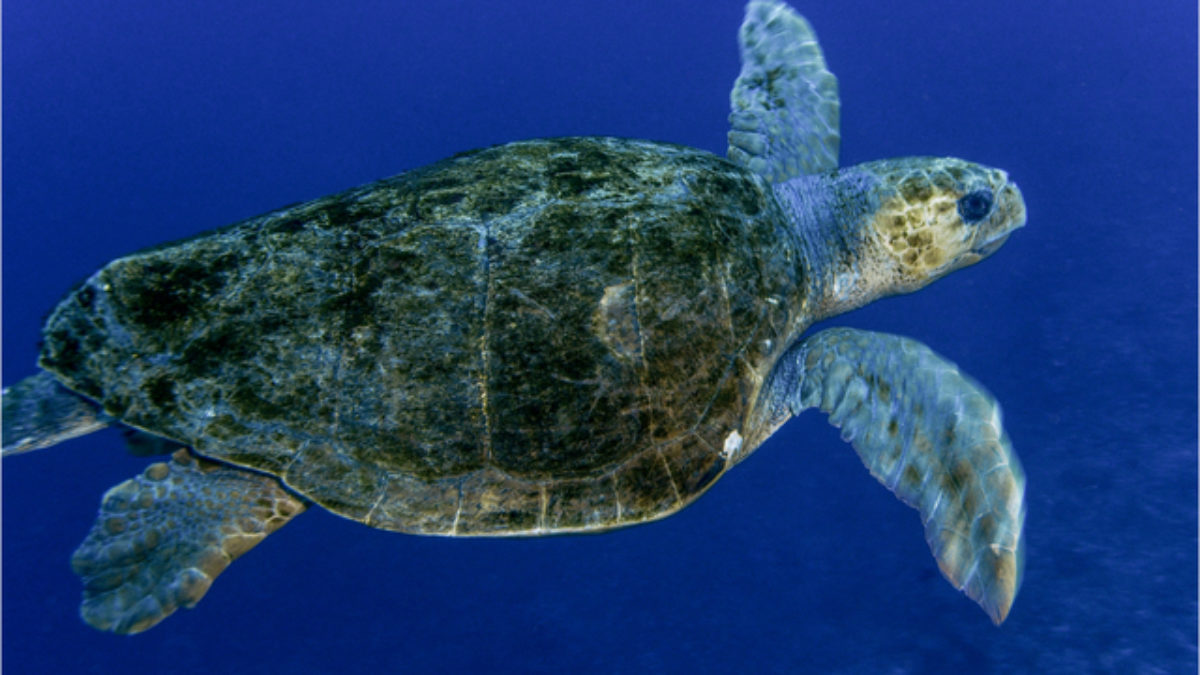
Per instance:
(552,335)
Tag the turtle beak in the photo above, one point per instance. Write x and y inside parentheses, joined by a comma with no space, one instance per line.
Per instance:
(1014,204)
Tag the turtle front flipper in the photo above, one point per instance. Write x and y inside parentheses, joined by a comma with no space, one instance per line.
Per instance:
(931,435)
(161,538)
(38,412)
(784,105)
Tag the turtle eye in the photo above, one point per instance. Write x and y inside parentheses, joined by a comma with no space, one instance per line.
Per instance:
(975,206)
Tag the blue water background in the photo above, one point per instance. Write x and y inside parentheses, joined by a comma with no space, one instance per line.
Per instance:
(129,123)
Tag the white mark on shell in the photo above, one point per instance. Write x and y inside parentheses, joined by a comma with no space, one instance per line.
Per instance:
(733,443)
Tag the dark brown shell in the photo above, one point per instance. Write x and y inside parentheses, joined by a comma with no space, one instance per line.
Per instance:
(551,335)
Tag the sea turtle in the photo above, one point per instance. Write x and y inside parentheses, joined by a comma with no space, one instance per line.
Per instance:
(551,336)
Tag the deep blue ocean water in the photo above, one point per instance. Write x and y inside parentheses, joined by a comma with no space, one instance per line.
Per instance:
(129,123)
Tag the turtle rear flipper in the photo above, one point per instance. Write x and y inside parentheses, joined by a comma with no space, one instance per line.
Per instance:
(39,412)
(161,538)
(931,435)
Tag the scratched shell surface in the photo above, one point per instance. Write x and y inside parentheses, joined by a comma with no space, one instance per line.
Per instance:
(555,335)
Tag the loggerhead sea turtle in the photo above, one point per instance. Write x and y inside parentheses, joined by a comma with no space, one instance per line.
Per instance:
(551,336)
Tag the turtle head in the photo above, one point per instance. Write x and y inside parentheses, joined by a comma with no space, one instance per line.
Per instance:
(892,226)
(936,215)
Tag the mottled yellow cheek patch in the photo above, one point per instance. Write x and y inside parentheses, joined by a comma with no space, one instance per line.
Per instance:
(923,232)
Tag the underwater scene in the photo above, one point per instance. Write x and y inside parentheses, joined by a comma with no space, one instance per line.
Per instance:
(132,123)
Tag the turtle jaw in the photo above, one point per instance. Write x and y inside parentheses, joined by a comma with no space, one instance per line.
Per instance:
(990,247)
